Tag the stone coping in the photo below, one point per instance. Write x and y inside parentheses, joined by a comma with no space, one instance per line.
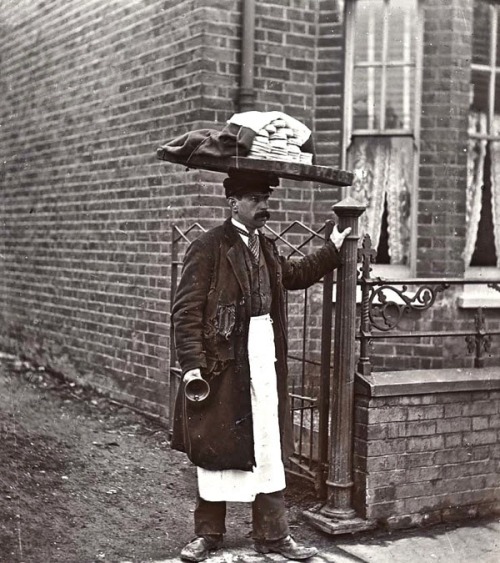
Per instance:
(428,381)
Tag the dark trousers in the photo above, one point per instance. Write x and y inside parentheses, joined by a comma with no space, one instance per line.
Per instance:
(269,521)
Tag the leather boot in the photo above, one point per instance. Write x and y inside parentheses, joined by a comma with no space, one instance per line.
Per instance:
(199,548)
(287,547)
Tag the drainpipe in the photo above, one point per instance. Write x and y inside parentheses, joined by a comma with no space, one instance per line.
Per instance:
(247,94)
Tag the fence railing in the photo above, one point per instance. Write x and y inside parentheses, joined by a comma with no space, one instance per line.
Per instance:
(179,242)
(386,303)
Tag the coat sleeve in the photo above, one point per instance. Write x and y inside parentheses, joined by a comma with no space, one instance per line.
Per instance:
(302,273)
(189,304)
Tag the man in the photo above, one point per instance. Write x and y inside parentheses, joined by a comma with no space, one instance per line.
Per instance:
(229,325)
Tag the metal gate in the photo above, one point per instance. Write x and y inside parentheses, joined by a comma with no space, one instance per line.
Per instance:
(309,340)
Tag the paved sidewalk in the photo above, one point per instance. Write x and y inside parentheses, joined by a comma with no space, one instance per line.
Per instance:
(468,543)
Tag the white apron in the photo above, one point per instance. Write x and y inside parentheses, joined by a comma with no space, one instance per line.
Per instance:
(269,474)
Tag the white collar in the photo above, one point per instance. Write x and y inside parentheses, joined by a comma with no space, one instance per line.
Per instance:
(240,226)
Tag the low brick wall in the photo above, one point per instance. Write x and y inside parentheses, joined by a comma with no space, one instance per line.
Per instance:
(427,446)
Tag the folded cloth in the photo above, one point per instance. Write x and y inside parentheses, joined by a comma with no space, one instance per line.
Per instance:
(233,140)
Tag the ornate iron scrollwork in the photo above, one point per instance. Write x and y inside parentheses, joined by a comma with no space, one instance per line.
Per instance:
(381,312)
(386,314)
(479,343)
(366,255)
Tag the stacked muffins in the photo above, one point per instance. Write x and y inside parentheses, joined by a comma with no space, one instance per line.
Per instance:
(277,141)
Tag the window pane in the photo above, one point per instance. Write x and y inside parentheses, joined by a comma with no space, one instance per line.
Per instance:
(390,58)
(497,93)
(496,62)
(368,36)
(480,87)
(398,98)
(401,39)
(366,98)
(481,34)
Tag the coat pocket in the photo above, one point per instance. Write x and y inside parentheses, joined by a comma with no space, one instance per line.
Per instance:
(225,320)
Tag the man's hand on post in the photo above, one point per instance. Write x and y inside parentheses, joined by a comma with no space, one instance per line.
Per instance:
(338,237)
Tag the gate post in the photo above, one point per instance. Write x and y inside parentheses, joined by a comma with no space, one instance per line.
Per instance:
(337,515)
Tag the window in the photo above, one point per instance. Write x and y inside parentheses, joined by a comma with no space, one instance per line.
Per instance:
(382,94)
(482,245)
(483,181)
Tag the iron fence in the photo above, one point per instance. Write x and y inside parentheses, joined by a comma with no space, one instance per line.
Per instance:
(386,303)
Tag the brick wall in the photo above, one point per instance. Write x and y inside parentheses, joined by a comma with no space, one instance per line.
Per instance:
(329,84)
(427,446)
(89,90)
(291,52)
(447,54)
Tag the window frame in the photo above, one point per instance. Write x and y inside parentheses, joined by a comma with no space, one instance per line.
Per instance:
(492,70)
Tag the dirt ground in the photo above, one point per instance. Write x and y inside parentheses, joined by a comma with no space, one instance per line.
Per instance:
(84,480)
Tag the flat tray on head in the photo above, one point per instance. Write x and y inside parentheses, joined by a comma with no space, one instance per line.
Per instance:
(283,169)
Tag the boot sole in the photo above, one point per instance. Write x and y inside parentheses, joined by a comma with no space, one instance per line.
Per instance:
(265,550)
(195,559)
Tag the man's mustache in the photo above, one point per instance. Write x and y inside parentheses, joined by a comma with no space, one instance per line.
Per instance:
(262,215)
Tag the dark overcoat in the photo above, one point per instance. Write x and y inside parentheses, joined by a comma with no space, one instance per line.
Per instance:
(211,318)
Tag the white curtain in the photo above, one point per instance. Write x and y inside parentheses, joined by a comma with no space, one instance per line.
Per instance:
(475,172)
(495,185)
(383,169)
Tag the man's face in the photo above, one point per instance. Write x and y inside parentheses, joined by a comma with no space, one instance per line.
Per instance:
(251,210)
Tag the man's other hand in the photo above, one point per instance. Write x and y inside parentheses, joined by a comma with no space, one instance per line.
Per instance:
(193,373)
(338,237)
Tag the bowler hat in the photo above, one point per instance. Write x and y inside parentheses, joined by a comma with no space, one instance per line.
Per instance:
(241,182)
